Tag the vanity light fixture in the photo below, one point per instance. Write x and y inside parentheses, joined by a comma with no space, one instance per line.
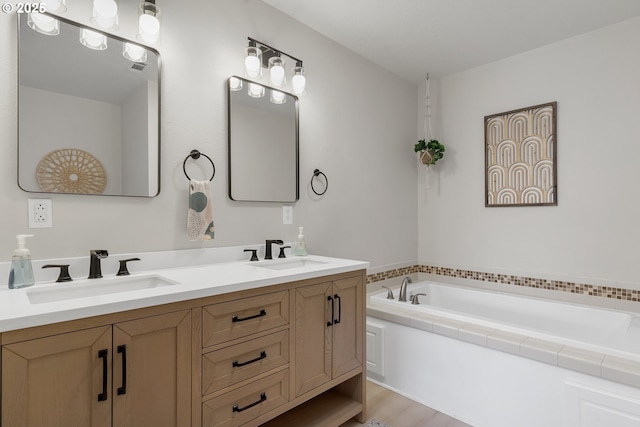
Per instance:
(235,84)
(134,52)
(92,39)
(256,90)
(260,55)
(149,17)
(277,97)
(105,14)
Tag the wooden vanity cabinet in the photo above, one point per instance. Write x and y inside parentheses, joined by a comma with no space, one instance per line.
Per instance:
(130,374)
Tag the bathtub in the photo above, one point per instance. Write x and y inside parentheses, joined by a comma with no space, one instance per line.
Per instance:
(500,360)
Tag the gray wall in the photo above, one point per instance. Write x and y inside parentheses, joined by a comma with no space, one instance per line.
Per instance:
(358,125)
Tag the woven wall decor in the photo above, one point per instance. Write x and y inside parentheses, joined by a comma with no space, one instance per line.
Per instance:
(70,170)
(520,157)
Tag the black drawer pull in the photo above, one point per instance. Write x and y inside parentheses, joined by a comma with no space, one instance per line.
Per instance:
(263,397)
(337,297)
(123,349)
(263,312)
(102,354)
(263,355)
(333,310)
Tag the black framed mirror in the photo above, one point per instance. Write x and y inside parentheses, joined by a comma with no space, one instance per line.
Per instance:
(88,117)
(263,143)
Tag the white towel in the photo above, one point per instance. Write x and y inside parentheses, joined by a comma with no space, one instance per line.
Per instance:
(200,215)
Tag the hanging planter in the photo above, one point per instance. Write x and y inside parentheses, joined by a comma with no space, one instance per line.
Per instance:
(429,152)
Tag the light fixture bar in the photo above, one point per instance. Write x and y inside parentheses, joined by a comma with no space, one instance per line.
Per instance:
(278,51)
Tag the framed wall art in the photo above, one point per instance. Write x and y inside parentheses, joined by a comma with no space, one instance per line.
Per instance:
(520,157)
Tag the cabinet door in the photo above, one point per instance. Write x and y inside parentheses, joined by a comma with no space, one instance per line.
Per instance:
(312,337)
(56,381)
(152,371)
(348,333)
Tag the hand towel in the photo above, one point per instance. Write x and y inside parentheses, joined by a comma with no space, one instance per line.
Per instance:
(200,215)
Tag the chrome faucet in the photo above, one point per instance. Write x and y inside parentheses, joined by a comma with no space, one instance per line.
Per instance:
(95,271)
(403,289)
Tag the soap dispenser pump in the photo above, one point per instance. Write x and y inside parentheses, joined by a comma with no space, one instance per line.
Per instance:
(301,247)
(21,274)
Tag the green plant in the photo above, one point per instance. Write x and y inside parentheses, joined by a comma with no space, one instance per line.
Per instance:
(435,149)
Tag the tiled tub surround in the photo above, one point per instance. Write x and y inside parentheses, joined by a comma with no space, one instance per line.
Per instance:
(508,361)
(597,290)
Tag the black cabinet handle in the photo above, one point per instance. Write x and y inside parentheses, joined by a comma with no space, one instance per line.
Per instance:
(336,296)
(102,354)
(333,309)
(263,397)
(123,349)
(236,364)
(263,312)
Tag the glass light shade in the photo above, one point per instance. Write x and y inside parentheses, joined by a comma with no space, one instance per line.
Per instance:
(235,84)
(55,5)
(105,14)
(149,17)
(276,71)
(253,62)
(277,97)
(255,90)
(134,53)
(43,24)
(92,39)
(298,81)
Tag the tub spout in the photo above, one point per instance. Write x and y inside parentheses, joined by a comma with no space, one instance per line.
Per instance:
(403,289)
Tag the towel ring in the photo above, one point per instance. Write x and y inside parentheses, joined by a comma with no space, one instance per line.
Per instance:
(195,154)
(317,173)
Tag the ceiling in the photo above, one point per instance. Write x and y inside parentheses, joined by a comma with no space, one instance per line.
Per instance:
(414,37)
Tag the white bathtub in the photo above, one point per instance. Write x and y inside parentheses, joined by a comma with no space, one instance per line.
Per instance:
(493,359)
(597,329)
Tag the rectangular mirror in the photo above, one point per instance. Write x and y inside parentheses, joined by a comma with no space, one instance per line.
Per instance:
(88,117)
(263,143)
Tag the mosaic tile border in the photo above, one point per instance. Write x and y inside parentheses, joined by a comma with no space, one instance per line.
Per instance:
(530,282)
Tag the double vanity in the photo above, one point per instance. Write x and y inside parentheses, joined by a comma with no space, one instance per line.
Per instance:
(274,342)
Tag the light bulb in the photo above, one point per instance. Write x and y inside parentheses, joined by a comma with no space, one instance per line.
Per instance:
(253,62)
(148,22)
(298,81)
(235,84)
(277,97)
(134,53)
(92,39)
(276,71)
(55,5)
(105,14)
(43,24)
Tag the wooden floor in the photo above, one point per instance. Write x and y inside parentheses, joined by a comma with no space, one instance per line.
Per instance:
(399,411)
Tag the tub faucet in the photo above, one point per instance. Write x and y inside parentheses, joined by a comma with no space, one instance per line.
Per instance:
(95,271)
(403,289)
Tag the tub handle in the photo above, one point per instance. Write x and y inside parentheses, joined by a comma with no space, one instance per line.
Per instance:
(414,299)
(389,293)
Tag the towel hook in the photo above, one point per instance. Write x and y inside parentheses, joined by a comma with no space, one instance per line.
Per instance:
(317,173)
(195,154)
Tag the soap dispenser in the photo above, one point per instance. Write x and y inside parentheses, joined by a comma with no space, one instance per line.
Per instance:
(21,274)
(301,247)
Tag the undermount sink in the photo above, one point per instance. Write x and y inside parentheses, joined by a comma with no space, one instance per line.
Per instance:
(289,263)
(95,287)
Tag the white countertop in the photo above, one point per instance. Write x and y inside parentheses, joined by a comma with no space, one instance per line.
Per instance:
(191,282)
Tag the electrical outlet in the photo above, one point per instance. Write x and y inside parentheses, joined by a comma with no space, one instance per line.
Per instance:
(287,214)
(40,213)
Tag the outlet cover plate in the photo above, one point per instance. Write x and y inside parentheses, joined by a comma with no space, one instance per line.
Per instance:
(40,213)
(287,214)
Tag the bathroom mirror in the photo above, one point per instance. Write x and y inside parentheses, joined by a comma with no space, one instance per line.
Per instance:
(263,143)
(88,119)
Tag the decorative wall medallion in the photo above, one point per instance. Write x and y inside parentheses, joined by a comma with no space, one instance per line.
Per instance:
(520,157)
(71,170)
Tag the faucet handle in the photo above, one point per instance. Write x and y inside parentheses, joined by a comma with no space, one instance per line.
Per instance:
(414,298)
(64,272)
(254,256)
(123,271)
(282,248)
(389,293)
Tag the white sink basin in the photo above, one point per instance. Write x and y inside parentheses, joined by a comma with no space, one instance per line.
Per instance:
(95,287)
(289,263)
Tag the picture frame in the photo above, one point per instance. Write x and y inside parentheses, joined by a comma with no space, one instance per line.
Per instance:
(521,157)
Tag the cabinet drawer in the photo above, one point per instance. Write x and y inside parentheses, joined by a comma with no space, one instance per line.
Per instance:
(246,403)
(235,319)
(231,365)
